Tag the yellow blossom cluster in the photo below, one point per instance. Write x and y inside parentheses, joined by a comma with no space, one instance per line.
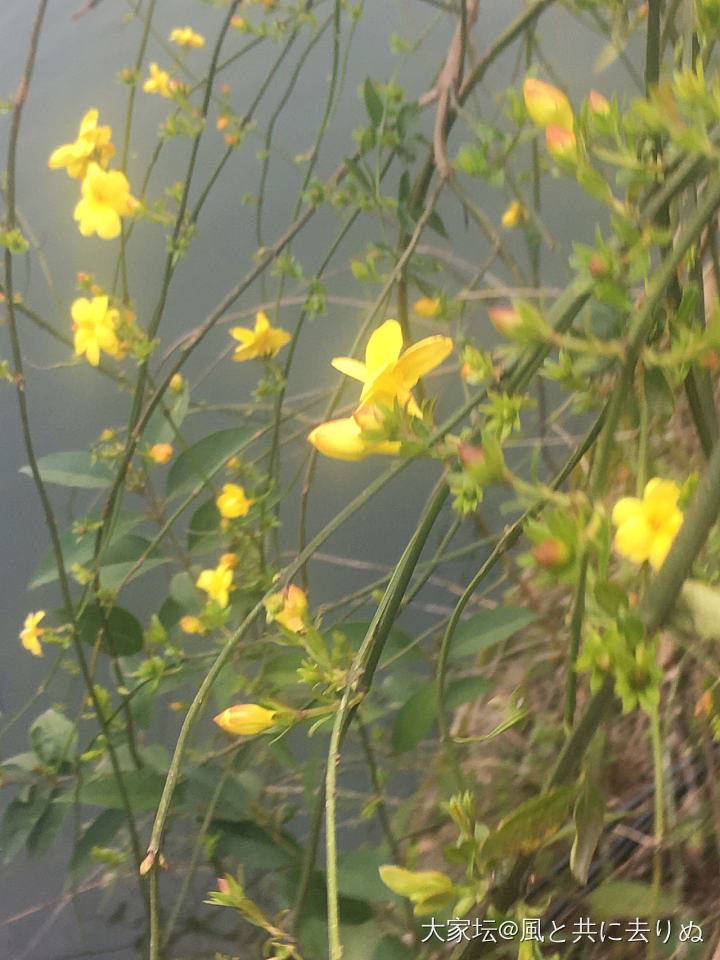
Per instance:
(387,377)
(550,108)
(105,194)
(233,502)
(158,82)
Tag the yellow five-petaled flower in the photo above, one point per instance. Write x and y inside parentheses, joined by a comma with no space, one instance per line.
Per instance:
(158,82)
(293,612)
(233,502)
(105,198)
(92,144)
(646,528)
(263,341)
(31,633)
(94,327)
(217,583)
(186,37)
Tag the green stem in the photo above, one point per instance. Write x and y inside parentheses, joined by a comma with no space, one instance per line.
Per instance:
(576,621)
(659,801)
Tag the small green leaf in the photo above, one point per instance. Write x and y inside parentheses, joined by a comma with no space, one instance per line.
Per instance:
(488,628)
(99,834)
(72,468)
(124,633)
(414,719)
(529,826)
(589,817)
(19,818)
(195,466)
(54,738)
(626,899)
(159,428)
(417,885)
(14,241)
(704,604)
(143,788)
(43,834)
(204,533)
(373,103)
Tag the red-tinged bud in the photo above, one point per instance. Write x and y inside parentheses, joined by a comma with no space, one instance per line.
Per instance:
(505,319)
(222,885)
(710,360)
(598,103)
(470,456)
(96,289)
(703,708)
(225,89)
(561,143)
(599,266)
(465,371)
(551,553)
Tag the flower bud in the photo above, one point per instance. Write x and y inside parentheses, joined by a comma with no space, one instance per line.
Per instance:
(561,143)
(505,319)
(470,455)
(599,266)
(246,719)
(230,560)
(598,104)
(547,105)
(516,213)
(427,306)
(551,553)
(161,452)
(176,383)
(191,624)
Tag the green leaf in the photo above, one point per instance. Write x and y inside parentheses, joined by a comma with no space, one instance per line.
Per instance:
(203,781)
(72,468)
(80,549)
(143,788)
(124,633)
(390,948)
(204,533)
(358,874)
(195,466)
(373,103)
(414,719)
(465,690)
(54,737)
(249,844)
(159,428)
(19,818)
(99,834)
(488,628)
(626,899)
(122,555)
(589,817)
(43,834)
(529,826)
(704,604)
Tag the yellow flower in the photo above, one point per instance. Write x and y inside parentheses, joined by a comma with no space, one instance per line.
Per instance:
(427,307)
(386,376)
(232,502)
(93,143)
(342,440)
(516,213)
(158,82)
(292,614)
(186,37)
(94,327)
(191,624)
(263,341)
(30,634)
(561,143)
(246,718)
(161,452)
(105,198)
(216,583)
(647,527)
(547,105)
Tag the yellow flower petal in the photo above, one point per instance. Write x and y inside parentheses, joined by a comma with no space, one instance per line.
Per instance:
(342,440)
(246,719)
(625,508)
(383,347)
(423,357)
(634,539)
(351,368)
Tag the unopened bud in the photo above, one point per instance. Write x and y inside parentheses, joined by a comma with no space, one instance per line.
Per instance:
(505,319)
(599,266)
(598,103)
(551,553)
